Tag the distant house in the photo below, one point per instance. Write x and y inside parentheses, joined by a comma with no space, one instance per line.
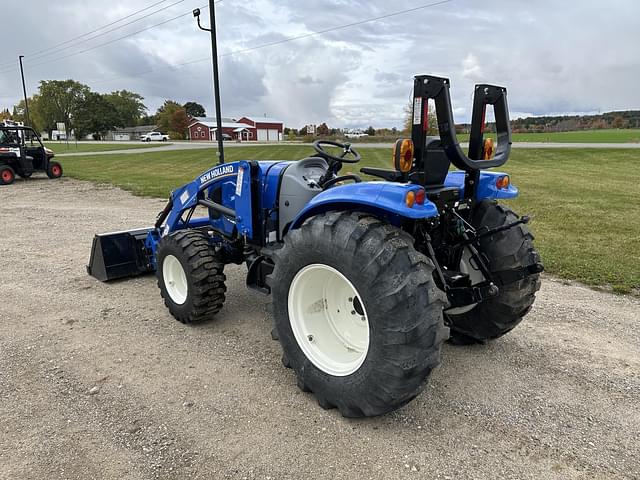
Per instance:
(129,133)
(246,129)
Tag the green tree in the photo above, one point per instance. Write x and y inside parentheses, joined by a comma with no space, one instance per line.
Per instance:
(194,109)
(128,107)
(95,115)
(59,101)
(370,131)
(36,119)
(147,120)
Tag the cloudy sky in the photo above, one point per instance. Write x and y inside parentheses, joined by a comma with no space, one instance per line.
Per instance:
(555,56)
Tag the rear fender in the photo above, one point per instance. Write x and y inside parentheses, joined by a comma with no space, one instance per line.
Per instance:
(486,190)
(382,199)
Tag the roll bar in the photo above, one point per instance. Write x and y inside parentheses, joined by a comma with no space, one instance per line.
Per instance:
(428,87)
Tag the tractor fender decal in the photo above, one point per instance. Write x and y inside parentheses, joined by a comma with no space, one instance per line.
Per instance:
(379,198)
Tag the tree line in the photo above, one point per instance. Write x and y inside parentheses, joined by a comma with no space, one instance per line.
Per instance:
(570,123)
(86,112)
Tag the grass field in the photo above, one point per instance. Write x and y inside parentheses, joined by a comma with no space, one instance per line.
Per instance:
(585,204)
(81,147)
(584,136)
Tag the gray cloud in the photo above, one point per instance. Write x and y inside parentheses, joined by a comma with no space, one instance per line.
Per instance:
(555,57)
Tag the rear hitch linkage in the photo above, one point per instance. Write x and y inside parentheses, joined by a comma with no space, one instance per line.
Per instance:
(465,295)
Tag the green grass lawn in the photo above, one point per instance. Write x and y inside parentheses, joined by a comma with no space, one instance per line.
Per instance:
(584,136)
(60,147)
(585,204)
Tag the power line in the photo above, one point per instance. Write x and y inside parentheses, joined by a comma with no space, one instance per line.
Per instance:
(333,29)
(286,40)
(116,39)
(203,7)
(108,31)
(89,33)
(249,49)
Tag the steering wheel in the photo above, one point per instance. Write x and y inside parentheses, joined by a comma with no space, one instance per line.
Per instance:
(346,150)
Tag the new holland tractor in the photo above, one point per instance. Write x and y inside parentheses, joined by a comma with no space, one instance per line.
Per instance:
(367,278)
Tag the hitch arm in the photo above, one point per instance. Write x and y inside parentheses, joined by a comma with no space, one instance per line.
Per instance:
(484,232)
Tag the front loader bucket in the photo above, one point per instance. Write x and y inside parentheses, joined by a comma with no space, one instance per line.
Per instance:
(119,255)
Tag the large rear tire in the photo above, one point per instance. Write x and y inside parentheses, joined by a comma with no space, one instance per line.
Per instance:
(507,250)
(357,313)
(190,277)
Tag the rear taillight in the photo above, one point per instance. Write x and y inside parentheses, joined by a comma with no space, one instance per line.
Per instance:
(415,197)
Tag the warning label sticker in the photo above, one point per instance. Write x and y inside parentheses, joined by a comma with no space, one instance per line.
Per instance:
(417,110)
(239,182)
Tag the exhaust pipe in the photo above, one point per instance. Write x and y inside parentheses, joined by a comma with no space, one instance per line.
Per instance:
(119,255)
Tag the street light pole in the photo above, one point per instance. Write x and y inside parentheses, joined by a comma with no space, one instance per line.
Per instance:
(24,90)
(216,79)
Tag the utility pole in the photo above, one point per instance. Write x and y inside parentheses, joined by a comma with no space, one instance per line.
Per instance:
(24,90)
(216,80)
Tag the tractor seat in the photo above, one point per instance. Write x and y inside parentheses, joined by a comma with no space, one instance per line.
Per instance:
(442,193)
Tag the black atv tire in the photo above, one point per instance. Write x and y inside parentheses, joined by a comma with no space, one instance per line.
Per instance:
(203,276)
(506,250)
(7,175)
(401,302)
(54,170)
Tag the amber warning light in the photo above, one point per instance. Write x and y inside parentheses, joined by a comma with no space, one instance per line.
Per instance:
(403,153)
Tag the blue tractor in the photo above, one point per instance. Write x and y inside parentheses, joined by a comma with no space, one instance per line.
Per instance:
(367,278)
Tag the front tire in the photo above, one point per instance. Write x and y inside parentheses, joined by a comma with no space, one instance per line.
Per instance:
(357,313)
(54,170)
(190,277)
(505,251)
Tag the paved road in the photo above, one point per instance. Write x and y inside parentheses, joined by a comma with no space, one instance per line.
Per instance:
(200,145)
(98,381)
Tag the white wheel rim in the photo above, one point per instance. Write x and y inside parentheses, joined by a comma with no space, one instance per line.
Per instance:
(475,276)
(328,319)
(175,280)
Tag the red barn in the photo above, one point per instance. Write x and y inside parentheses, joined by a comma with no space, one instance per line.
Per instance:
(267,129)
(246,129)
(204,128)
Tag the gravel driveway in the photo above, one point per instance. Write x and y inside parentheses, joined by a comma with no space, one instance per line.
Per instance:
(98,381)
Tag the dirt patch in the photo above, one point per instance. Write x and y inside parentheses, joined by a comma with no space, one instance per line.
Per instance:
(98,381)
